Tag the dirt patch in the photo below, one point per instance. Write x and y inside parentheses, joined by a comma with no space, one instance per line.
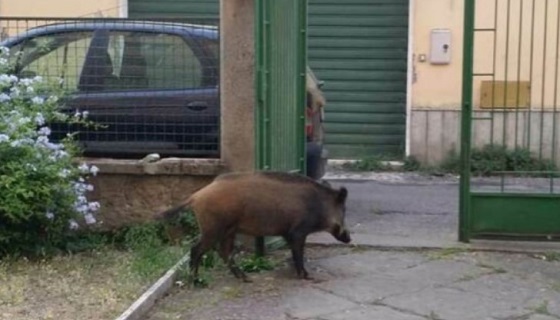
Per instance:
(228,298)
(95,285)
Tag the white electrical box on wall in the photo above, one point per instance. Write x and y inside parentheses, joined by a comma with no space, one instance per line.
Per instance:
(440,52)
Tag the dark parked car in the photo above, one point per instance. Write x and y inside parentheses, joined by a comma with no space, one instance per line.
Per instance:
(152,85)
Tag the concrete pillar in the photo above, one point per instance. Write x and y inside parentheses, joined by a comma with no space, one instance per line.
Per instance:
(237,84)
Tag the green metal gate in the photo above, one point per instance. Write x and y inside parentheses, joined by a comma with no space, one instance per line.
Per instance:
(280,84)
(281,58)
(510,112)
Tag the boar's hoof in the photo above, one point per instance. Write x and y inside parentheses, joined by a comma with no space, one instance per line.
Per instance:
(304,275)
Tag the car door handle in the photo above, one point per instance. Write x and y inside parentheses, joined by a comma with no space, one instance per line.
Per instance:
(197,105)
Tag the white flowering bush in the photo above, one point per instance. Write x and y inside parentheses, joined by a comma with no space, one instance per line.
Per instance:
(42,191)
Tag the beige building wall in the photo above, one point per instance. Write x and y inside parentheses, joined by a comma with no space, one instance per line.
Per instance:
(53,9)
(437,86)
(526,53)
(519,58)
(59,8)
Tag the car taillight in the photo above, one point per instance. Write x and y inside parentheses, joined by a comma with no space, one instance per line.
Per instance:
(309,122)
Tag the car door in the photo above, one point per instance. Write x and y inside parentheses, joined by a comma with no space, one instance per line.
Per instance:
(152,92)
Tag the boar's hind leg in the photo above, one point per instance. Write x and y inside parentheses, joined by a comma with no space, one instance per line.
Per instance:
(296,242)
(226,253)
(204,244)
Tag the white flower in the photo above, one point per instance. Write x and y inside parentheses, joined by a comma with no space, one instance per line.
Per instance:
(94,170)
(38,100)
(23,121)
(4,50)
(49,215)
(90,219)
(39,119)
(84,168)
(81,200)
(3,61)
(54,146)
(44,131)
(38,79)
(30,90)
(4,97)
(85,114)
(94,206)
(52,99)
(89,187)
(79,188)
(26,82)
(14,92)
(77,114)
(20,142)
(43,140)
(83,209)
(59,154)
(64,173)
(4,79)
(73,224)
(4,138)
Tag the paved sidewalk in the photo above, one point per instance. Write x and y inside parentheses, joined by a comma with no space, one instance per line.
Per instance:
(371,284)
(386,213)
(437,285)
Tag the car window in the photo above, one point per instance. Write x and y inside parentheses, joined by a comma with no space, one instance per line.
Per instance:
(143,60)
(54,57)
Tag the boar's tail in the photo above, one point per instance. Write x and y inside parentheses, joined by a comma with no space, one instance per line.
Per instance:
(173,213)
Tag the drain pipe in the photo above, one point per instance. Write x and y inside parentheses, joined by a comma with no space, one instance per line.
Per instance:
(123,8)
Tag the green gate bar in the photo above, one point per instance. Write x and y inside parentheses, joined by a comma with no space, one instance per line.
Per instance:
(281,59)
(466,121)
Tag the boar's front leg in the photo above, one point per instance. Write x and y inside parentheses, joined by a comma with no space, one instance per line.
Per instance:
(296,241)
(227,255)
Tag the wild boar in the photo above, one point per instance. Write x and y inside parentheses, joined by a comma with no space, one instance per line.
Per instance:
(263,204)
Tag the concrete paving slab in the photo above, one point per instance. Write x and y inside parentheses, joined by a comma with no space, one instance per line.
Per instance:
(308,302)
(369,289)
(541,317)
(439,272)
(548,303)
(372,312)
(367,264)
(506,287)
(451,304)
(391,282)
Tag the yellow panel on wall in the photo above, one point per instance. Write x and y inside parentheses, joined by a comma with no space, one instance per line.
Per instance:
(517,94)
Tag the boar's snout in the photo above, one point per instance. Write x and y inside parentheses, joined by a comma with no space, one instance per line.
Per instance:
(343,236)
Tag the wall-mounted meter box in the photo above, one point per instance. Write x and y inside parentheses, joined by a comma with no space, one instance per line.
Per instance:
(440,51)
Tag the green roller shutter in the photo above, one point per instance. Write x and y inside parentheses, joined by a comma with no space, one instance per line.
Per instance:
(359,48)
(150,9)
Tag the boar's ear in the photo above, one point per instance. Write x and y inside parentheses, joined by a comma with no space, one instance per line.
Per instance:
(342,194)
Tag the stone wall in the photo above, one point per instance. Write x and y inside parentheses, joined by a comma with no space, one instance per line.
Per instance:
(132,191)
